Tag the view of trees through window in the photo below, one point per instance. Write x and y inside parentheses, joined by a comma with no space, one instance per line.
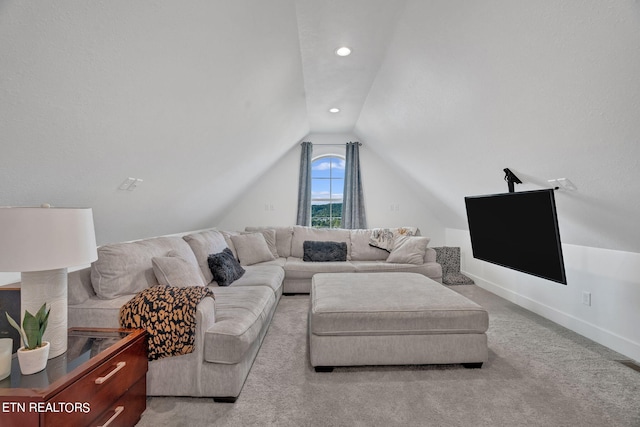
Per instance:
(327,185)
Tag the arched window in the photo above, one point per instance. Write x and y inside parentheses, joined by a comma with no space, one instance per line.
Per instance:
(327,186)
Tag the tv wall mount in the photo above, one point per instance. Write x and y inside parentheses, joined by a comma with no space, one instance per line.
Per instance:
(511,179)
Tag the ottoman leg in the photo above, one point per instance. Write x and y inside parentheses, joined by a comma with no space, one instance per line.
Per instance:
(323,368)
(472,365)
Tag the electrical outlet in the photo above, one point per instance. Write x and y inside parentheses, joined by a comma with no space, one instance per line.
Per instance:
(586,298)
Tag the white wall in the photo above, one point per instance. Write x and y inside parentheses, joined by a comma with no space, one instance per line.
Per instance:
(612,278)
(391,200)
(547,88)
(196,98)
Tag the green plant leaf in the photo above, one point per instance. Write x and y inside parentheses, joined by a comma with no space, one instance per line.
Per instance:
(17,328)
(31,329)
(41,312)
(43,325)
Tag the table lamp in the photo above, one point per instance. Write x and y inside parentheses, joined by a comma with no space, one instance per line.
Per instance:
(41,243)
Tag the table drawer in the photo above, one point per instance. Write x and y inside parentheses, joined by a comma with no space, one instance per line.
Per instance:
(100,387)
(127,410)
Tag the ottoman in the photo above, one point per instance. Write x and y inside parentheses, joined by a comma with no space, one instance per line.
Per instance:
(392,319)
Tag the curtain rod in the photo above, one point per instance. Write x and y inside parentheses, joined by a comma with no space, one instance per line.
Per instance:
(359,143)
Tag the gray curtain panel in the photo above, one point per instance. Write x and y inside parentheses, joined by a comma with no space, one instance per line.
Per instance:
(304,187)
(353,215)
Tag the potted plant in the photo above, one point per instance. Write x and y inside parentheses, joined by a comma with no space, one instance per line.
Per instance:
(33,355)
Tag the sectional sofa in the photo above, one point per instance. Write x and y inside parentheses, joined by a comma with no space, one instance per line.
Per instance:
(361,256)
(229,329)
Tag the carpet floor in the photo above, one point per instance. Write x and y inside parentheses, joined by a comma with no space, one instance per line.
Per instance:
(538,374)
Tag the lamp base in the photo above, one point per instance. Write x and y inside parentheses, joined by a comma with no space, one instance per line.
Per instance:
(48,286)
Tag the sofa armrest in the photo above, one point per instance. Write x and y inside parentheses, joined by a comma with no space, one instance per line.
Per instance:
(205,318)
(430,255)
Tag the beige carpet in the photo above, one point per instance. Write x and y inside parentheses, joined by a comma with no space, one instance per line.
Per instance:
(538,374)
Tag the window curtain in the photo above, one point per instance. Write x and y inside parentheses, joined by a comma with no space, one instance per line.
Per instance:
(304,187)
(353,215)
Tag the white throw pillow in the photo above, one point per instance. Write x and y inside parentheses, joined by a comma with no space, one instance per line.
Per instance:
(252,248)
(409,250)
(173,270)
(268,233)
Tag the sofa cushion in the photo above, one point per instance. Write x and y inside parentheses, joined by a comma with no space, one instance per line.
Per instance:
(97,313)
(241,313)
(280,262)
(260,275)
(296,268)
(79,286)
(428,269)
(225,268)
(302,234)
(203,244)
(252,248)
(173,270)
(361,250)
(409,249)
(126,268)
(283,238)
(324,251)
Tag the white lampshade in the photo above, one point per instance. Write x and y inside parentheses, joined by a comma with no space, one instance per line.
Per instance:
(36,239)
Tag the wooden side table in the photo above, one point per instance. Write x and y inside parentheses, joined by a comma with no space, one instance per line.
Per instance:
(100,380)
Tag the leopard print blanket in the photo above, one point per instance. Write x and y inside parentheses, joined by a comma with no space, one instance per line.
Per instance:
(168,314)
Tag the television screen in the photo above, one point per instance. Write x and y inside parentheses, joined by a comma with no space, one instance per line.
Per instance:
(518,231)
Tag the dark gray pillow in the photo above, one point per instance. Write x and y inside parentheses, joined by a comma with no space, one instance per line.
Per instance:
(324,251)
(224,267)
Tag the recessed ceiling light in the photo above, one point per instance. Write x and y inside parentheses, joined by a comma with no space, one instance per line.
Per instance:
(343,51)
(334,110)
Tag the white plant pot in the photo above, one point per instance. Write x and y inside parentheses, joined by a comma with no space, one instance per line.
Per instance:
(32,361)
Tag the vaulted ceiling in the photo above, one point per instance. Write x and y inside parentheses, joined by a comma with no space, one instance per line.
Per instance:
(200,98)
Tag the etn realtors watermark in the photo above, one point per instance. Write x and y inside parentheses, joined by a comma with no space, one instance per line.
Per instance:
(41,407)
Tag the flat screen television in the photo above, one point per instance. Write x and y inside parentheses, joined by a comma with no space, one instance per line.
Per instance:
(518,231)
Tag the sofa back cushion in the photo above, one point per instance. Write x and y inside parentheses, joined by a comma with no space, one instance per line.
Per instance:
(361,250)
(204,244)
(126,268)
(283,238)
(302,234)
(79,286)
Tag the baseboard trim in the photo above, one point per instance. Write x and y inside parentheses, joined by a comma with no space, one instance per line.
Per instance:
(602,336)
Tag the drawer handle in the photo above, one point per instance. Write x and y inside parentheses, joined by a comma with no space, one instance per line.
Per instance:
(119,366)
(117,412)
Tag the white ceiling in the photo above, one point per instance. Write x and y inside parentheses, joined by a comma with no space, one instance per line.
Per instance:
(330,81)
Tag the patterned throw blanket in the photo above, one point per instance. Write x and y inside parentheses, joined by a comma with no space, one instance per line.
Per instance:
(168,314)
(383,238)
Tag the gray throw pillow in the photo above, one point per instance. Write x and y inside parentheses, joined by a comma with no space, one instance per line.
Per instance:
(409,250)
(224,267)
(315,251)
(252,248)
(173,270)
